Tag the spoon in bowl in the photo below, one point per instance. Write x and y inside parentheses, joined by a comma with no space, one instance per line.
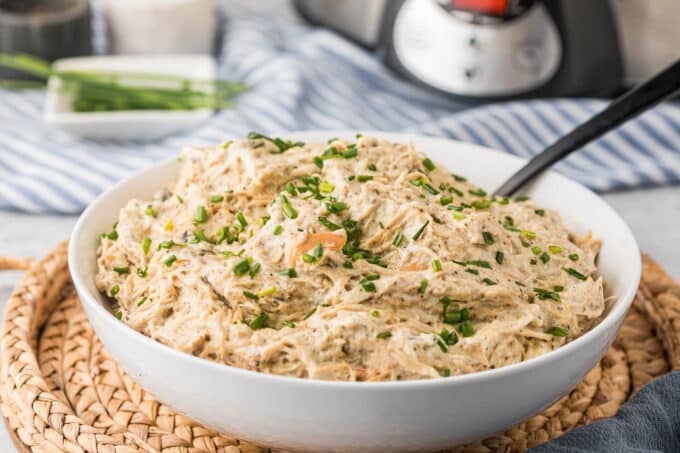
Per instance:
(632,103)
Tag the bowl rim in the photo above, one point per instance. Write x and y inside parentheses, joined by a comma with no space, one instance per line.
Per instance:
(616,313)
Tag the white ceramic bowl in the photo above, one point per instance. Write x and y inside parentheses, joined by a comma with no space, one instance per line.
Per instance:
(325,416)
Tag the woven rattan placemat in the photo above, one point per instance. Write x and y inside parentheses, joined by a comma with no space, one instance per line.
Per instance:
(61,391)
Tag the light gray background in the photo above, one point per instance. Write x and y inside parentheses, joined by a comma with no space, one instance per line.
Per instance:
(652,214)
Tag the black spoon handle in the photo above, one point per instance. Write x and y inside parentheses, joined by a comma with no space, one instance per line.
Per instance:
(630,104)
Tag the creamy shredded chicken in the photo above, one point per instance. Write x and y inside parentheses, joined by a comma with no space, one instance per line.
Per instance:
(346,261)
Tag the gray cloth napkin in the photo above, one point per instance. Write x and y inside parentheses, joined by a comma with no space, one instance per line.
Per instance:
(649,422)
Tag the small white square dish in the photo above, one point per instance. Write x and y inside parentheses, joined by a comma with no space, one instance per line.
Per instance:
(127,124)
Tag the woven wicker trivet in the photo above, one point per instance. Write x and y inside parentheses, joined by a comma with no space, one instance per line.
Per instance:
(61,391)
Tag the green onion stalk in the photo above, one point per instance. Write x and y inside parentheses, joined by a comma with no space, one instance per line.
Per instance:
(113,91)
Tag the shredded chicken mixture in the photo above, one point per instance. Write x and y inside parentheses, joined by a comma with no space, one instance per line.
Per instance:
(346,261)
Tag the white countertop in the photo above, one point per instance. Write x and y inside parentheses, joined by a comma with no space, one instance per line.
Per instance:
(653,215)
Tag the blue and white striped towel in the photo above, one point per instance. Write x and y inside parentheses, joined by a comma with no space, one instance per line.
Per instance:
(305,78)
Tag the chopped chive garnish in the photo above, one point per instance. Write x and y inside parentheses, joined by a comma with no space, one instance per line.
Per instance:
(554,249)
(348,265)
(466,329)
(420,231)
(141,301)
(446,339)
(201,215)
(384,335)
(250,295)
(290,188)
(478,192)
(241,219)
(318,161)
(482,204)
(288,210)
(146,245)
(309,313)
(536,250)
(522,198)
(169,225)
(446,372)
(350,152)
(141,271)
(499,257)
(528,234)
(375,313)
(115,289)
(259,322)
(510,227)
(427,163)
(459,178)
(488,238)
(574,273)
(217,198)
(472,271)
(546,294)
(282,145)
(317,252)
(328,224)
(149,211)
(398,239)
(113,234)
(119,315)
(456,191)
(180,199)
(334,206)
(445,199)
(423,286)
(254,269)
(489,282)
(331,140)
(290,273)
(427,186)
(458,215)
(278,230)
(368,286)
(166,244)
(436,265)
(422,182)
(267,291)
(479,263)
(372,167)
(364,178)
(326,187)
(544,257)
(287,323)
(540,212)
(242,267)
(573,257)
(122,270)
(557,331)
(262,221)
(170,260)
(558,288)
